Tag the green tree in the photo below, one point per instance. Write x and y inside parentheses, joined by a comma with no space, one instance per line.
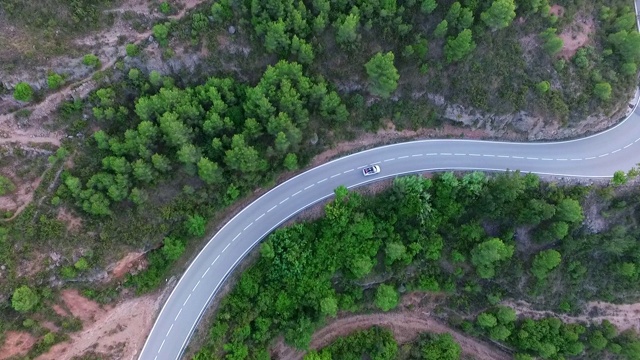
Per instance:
(383,76)
(54,81)
(441,30)
(209,171)
(486,254)
(459,47)
(386,297)
(500,14)
(619,178)
(172,248)
(347,30)
(291,162)
(91,60)
(427,6)
(6,186)
(569,210)
(276,39)
(602,90)
(553,43)
(544,262)
(505,315)
(161,34)
(23,92)
(24,299)
(597,341)
(487,320)
(132,50)
(195,225)
(441,347)
(543,87)
(329,306)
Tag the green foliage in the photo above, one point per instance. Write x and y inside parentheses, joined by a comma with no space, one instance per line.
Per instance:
(438,347)
(132,50)
(544,262)
(374,343)
(6,186)
(500,14)
(441,29)
(619,178)
(459,47)
(161,33)
(486,254)
(81,265)
(383,76)
(172,248)
(486,320)
(329,306)
(602,90)
(23,92)
(91,60)
(24,299)
(54,81)
(427,6)
(552,42)
(195,225)
(386,297)
(543,86)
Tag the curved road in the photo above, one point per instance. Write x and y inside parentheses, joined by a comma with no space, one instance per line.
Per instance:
(597,156)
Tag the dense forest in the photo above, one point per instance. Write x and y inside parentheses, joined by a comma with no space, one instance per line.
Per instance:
(455,235)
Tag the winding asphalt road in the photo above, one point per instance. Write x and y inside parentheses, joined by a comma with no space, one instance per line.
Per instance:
(597,156)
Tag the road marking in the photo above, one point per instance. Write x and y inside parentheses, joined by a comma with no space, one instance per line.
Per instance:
(432,154)
(332,176)
(615,151)
(214,261)
(628,145)
(185,302)
(291,196)
(445,154)
(194,288)
(576,159)
(390,159)
(403,157)
(245,229)
(179,312)
(260,217)
(518,157)
(532,158)
(309,187)
(590,158)
(561,159)
(323,180)
(205,273)
(234,239)
(475,155)
(546,159)
(171,328)
(638,139)
(503,156)
(360,167)
(458,154)
(161,345)
(377,162)
(348,171)
(225,248)
(488,155)
(283,201)
(416,155)
(275,206)
(603,155)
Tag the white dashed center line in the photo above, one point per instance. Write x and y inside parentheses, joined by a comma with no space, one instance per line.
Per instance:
(226,247)
(283,201)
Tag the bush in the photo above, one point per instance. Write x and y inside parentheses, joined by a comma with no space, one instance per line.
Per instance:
(23,92)
(6,186)
(132,50)
(54,81)
(24,299)
(91,60)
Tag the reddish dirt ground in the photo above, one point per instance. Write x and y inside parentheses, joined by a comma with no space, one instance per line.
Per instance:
(127,264)
(113,333)
(16,344)
(576,35)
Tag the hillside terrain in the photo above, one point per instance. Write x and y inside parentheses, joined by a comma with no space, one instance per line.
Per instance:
(132,129)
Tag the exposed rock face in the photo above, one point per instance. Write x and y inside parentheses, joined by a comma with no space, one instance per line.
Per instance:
(527,126)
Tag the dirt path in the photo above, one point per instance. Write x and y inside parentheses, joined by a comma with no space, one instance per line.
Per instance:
(624,316)
(108,39)
(405,325)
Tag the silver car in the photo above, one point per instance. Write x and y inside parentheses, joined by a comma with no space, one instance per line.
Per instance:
(371,170)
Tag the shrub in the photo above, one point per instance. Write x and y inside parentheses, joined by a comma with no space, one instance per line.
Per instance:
(23,92)
(6,186)
(24,299)
(91,60)
(54,81)
(132,50)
